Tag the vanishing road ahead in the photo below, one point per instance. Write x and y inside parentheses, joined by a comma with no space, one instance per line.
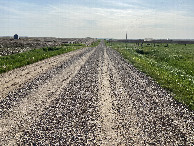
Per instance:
(90,96)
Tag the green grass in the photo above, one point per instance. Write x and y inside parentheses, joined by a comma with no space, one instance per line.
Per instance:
(94,44)
(13,61)
(172,67)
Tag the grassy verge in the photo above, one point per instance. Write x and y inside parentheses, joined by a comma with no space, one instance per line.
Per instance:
(171,66)
(11,62)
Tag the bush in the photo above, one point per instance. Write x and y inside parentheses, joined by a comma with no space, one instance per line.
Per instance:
(140,51)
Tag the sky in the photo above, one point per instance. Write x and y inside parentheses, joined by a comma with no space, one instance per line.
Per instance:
(159,19)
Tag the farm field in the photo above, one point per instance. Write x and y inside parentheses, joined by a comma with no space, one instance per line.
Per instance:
(172,66)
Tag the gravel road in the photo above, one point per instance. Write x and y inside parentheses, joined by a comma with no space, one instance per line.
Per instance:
(91,96)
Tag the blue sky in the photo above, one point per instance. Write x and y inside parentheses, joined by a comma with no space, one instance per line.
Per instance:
(98,18)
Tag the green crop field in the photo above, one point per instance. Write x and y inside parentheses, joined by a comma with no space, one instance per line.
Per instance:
(172,66)
(13,61)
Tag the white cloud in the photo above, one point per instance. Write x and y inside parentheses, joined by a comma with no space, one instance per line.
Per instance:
(81,21)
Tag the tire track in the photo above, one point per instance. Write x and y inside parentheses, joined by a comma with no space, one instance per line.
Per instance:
(15,78)
(114,97)
(108,134)
(128,135)
(17,95)
(71,118)
(160,119)
(29,109)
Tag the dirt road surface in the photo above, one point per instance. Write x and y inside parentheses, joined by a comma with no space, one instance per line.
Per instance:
(91,96)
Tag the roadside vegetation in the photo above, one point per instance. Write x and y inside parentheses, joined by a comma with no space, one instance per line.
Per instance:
(172,66)
(94,44)
(13,61)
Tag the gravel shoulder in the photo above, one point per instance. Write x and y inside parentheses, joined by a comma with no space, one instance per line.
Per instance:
(91,97)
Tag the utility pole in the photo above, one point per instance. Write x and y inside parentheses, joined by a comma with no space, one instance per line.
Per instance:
(126,40)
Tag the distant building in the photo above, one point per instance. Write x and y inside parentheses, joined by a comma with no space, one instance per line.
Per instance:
(16,37)
(148,39)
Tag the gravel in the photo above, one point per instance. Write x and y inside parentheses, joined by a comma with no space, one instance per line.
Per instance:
(15,96)
(94,98)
